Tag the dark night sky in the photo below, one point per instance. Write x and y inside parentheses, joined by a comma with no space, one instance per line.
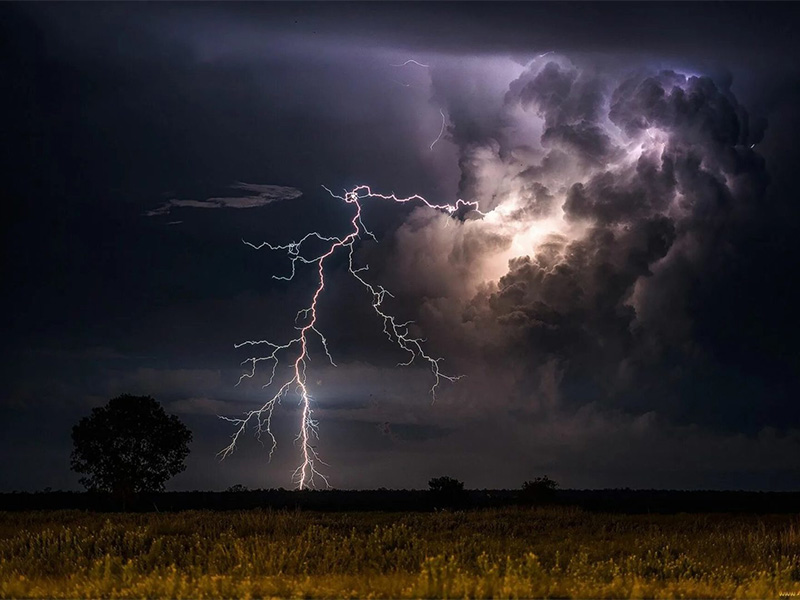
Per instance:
(627,316)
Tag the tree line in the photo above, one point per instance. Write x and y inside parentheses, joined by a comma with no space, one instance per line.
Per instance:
(132,446)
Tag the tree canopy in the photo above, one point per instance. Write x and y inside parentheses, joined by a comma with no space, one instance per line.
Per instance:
(128,446)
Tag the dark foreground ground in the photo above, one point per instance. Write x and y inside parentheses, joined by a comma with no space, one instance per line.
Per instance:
(611,500)
(510,552)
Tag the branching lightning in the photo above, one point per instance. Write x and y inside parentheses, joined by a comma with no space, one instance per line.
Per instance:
(307,474)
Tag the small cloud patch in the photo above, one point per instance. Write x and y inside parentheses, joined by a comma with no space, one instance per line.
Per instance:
(252,195)
(203,406)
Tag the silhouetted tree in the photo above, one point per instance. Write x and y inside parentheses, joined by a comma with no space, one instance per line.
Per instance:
(128,446)
(447,491)
(541,490)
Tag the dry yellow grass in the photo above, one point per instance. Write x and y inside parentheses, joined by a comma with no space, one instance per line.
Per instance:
(508,553)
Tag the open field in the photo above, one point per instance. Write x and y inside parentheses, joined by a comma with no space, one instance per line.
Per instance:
(509,552)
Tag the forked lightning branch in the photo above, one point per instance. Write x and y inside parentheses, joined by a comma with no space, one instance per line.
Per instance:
(295,352)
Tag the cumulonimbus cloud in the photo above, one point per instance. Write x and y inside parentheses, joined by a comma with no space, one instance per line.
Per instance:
(591,260)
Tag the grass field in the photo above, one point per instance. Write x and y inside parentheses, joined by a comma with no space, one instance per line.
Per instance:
(514,552)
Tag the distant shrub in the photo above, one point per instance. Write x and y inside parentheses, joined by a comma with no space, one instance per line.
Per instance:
(447,491)
(445,484)
(541,490)
(238,487)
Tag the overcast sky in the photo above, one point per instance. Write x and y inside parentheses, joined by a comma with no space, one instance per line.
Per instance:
(625,315)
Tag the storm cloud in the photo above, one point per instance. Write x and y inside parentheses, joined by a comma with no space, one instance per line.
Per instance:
(624,313)
(640,184)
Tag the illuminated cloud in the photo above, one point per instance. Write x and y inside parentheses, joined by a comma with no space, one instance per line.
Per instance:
(601,219)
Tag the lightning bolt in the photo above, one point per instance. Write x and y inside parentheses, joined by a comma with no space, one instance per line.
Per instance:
(411,61)
(307,473)
(441,131)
